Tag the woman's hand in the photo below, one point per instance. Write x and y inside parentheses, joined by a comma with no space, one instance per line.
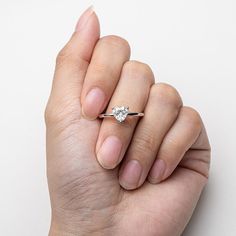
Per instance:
(93,164)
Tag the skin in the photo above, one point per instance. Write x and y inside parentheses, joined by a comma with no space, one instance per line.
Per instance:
(140,177)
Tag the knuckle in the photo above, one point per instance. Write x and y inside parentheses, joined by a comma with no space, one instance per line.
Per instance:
(138,69)
(172,147)
(100,69)
(115,41)
(46,114)
(192,116)
(51,115)
(69,58)
(63,56)
(48,117)
(145,143)
(167,94)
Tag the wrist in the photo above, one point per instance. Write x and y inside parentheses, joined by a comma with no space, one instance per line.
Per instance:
(53,232)
(70,222)
(59,229)
(77,229)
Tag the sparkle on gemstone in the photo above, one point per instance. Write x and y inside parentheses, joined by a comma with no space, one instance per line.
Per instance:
(120,113)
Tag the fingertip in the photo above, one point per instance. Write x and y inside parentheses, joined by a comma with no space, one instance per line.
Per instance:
(156,174)
(83,20)
(130,175)
(88,15)
(94,24)
(93,103)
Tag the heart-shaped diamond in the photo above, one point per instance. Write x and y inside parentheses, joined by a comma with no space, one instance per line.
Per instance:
(120,113)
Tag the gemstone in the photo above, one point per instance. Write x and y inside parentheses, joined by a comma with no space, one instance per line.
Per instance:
(120,113)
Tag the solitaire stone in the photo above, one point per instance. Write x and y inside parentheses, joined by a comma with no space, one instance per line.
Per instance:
(120,113)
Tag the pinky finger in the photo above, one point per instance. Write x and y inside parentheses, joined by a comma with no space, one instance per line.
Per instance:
(179,139)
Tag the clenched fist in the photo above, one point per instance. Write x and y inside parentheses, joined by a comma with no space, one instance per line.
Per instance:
(140,177)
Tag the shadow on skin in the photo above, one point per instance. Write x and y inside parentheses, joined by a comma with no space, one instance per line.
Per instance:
(196,219)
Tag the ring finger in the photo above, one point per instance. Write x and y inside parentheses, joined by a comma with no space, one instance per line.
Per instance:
(132,91)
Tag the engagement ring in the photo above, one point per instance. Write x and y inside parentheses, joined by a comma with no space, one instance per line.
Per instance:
(120,113)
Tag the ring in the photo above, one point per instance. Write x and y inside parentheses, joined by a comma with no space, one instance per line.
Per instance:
(120,113)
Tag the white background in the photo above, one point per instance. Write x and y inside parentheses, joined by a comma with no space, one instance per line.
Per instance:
(189,44)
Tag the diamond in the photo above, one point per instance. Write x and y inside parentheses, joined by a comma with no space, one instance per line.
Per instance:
(120,113)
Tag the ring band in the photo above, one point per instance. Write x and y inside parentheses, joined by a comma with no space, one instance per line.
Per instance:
(120,113)
(129,114)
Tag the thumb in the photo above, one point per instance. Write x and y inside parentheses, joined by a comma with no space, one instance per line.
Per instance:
(72,61)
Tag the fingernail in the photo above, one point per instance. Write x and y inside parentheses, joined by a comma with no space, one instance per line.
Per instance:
(93,103)
(84,19)
(131,174)
(157,171)
(109,153)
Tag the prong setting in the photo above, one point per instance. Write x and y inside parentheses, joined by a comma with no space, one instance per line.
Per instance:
(120,113)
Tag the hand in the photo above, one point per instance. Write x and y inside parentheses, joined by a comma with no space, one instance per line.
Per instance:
(140,177)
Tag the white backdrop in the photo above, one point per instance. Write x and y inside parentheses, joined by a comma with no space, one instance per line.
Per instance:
(189,44)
